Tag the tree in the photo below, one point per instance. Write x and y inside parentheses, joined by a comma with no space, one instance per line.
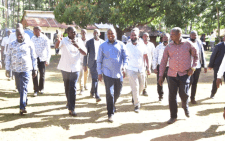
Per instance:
(123,14)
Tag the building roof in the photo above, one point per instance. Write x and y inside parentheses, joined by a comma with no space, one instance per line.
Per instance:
(46,19)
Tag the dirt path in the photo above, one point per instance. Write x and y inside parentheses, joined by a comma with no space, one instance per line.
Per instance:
(48,119)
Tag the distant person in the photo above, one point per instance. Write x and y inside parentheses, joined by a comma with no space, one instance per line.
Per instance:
(42,49)
(83,77)
(203,41)
(112,62)
(55,40)
(22,51)
(215,62)
(90,60)
(4,49)
(69,64)
(183,60)
(212,39)
(124,38)
(150,51)
(200,64)
(157,57)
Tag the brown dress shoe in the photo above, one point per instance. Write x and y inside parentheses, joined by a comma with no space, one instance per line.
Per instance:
(22,111)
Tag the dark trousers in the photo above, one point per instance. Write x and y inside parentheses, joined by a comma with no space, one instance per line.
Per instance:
(180,83)
(113,88)
(70,80)
(56,51)
(160,88)
(94,75)
(194,81)
(214,87)
(22,80)
(41,68)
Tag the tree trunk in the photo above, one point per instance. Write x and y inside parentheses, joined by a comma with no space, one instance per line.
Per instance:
(13,23)
(6,13)
(218,20)
(29,5)
(119,33)
(18,12)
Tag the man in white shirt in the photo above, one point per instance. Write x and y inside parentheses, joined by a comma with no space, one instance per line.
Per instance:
(212,38)
(69,64)
(42,49)
(157,57)
(138,55)
(4,49)
(92,46)
(201,63)
(83,74)
(150,49)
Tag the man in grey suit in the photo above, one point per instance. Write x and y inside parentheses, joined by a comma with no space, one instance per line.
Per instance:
(92,46)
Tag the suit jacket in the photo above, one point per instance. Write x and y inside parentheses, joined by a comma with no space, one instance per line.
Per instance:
(90,58)
(202,55)
(217,55)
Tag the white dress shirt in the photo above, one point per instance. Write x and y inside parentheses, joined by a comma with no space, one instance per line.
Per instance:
(97,44)
(150,48)
(221,69)
(42,47)
(5,42)
(70,58)
(195,44)
(82,56)
(158,54)
(136,53)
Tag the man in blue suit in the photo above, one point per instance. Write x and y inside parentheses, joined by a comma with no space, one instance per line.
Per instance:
(92,46)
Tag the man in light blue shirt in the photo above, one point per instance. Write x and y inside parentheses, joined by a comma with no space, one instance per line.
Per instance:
(111,64)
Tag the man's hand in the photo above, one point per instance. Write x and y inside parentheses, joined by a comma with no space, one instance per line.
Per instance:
(148,72)
(160,81)
(7,73)
(190,72)
(155,71)
(218,82)
(34,73)
(205,70)
(209,68)
(85,68)
(124,74)
(46,63)
(100,77)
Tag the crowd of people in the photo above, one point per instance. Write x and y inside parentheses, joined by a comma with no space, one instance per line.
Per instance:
(176,59)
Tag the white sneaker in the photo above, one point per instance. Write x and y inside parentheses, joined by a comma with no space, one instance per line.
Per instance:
(110,119)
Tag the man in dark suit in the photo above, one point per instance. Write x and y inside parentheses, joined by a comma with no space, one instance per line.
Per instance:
(92,46)
(215,61)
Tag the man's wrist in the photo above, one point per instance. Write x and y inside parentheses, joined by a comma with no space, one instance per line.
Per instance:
(193,69)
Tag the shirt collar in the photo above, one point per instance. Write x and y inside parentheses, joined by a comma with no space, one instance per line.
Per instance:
(181,41)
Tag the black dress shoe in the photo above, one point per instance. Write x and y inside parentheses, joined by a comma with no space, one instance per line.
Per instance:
(22,111)
(193,101)
(212,96)
(187,114)
(72,113)
(145,93)
(171,120)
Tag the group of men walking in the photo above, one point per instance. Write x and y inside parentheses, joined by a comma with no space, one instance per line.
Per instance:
(176,59)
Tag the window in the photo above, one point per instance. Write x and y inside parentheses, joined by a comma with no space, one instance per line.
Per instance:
(48,35)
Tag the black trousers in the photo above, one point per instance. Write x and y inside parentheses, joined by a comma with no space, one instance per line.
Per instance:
(180,83)
(160,88)
(41,68)
(214,87)
(194,81)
